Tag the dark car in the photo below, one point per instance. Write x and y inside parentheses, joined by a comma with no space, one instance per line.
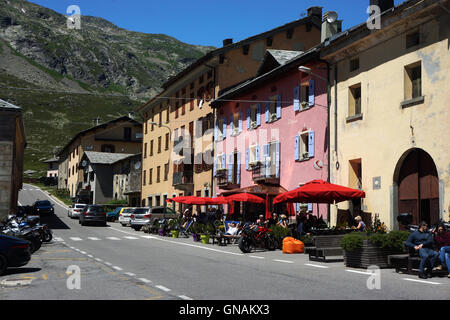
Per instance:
(43,207)
(14,252)
(93,213)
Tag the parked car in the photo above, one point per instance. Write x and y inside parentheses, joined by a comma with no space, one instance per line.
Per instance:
(75,210)
(114,215)
(143,216)
(14,252)
(93,213)
(125,216)
(43,207)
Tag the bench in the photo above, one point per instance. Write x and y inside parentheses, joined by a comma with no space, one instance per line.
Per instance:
(406,263)
(326,246)
(223,239)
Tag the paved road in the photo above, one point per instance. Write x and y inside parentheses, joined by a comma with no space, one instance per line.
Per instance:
(119,263)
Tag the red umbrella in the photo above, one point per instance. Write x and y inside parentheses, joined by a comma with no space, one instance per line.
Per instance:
(319,191)
(268,214)
(291,210)
(179,199)
(218,200)
(245,197)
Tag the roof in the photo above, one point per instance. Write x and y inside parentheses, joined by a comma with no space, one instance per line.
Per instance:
(100,126)
(251,83)
(105,157)
(8,106)
(54,159)
(283,56)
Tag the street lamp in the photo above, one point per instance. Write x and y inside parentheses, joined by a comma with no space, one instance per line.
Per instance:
(308,71)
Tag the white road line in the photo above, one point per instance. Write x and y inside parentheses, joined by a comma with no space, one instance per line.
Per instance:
(112,238)
(185,298)
(421,281)
(144,280)
(117,268)
(316,265)
(284,261)
(360,272)
(58,239)
(163,288)
(131,238)
(90,256)
(108,263)
(148,237)
(93,238)
(256,257)
(130,274)
(75,239)
(83,252)
(99,260)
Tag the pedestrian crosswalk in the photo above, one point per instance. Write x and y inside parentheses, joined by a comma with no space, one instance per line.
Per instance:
(78,239)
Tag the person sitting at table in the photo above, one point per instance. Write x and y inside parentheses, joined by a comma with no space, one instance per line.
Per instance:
(260,221)
(283,221)
(442,241)
(361,225)
(232,229)
(272,221)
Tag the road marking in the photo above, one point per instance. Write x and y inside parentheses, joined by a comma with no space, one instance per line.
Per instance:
(75,239)
(285,261)
(185,298)
(148,237)
(93,238)
(360,272)
(99,260)
(117,268)
(421,281)
(108,263)
(315,265)
(256,257)
(131,238)
(163,288)
(144,280)
(130,274)
(83,252)
(58,239)
(112,238)
(90,256)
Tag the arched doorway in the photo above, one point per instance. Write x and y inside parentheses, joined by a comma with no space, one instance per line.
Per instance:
(418,186)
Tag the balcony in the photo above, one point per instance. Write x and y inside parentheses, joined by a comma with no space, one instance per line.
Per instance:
(259,174)
(223,182)
(183,179)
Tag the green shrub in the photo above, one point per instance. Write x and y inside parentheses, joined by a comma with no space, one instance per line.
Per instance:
(307,240)
(353,241)
(392,240)
(280,232)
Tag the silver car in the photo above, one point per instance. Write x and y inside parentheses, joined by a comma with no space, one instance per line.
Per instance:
(75,210)
(143,216)
(125,216)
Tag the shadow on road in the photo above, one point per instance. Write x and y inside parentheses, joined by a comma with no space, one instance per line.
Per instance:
(13,271)
(53,222)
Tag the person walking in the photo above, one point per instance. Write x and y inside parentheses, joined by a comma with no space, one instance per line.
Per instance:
(422,241)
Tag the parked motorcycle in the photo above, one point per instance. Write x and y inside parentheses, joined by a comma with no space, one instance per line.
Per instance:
(256,237)
(13,227)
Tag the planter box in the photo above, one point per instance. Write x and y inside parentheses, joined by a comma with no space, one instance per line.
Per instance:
(195,237)
(368,255)
(205,239)
(175,233)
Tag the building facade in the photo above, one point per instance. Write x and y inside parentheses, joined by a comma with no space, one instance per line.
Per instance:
(127,177)
(12,145)
(183,165)
(271,131)
(389,113)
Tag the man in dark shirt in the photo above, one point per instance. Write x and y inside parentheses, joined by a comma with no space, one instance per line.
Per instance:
(422,241)
(442,240)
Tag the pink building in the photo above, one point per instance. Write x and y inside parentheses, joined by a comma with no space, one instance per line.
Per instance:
(271,131)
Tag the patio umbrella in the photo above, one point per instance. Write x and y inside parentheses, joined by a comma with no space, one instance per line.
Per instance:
(319,191)
(268,214)
(218,200)
(245,197)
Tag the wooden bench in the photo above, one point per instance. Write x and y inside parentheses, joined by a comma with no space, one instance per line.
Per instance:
(326,246)
(406,263)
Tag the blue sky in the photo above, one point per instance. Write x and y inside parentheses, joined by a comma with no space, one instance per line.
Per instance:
(208,22)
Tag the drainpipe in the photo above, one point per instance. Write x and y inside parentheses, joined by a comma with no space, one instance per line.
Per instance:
(213,189)
(328,135)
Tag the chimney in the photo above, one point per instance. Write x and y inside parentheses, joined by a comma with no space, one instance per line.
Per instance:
(227,42)
(383,4)
(330,25)
(315,12)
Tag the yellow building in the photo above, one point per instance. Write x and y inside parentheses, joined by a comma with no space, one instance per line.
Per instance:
(122,135)
(172,167)
(389,98)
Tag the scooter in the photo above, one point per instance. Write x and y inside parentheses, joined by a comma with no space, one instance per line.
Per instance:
(256,237)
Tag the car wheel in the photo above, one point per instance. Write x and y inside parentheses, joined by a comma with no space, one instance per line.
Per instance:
(3,264)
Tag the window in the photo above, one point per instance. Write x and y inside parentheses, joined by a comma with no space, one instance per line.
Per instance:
(304,146)
(220,129)
(176,110)
(192,86)
(209,74)
(412,39)
(235,124)
(159,144)
(145,150)
(253,155)
(355,174)
(144,178)
(253,116)
(354,64)
(191,102)
(271,159)
(108,148)
(150,176)
(354,101)
(269,41)
(221,165)
(146,127)
(272,112)
(289,33)
(166,171)
(167,142)
(245,49)
(167,113)
(413,81)
(158,174)
(200,80)
(183,107)
(151,148)
(304,96)
(160,117)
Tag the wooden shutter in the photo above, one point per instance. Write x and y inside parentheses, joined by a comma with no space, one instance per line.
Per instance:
(297,148)
(240,121)
(277,160)
(216,131)
(266,151)
(311,144)
(267,110)
(257,154)
(238,173)
(215,166)
(247,158)
(249,109)
(231,125)
(311,98)
(224,126)
(258,114)
(279,106)
(297,98)
(230,169)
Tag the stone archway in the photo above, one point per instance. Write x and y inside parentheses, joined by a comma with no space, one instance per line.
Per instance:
(417,183)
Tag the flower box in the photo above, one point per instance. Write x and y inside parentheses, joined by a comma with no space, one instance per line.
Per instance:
(368,255)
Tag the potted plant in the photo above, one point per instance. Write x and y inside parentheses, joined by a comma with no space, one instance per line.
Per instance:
(174,227)
(208,231)
(280,233)
(304,104)
(253,125)
(273,117)
(305,155)
(196,229)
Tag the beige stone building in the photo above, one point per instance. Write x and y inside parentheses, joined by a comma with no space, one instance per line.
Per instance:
(122,135)
(172,167)
(389,113)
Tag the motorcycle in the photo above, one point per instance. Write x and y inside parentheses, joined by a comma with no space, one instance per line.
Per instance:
(256,237)
(12,227)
